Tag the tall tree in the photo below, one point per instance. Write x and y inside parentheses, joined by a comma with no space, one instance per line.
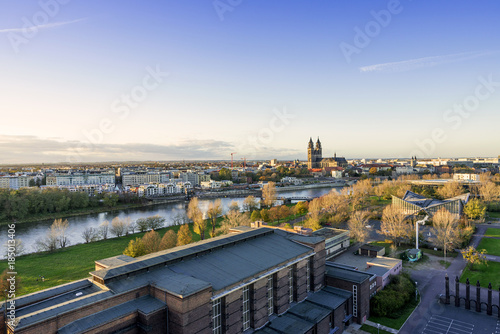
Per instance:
(59,228)
(357,225)
(214,211)
(475,209)
(118,227)
(394,224)
(269,194)
(135,248)
(151,241)
(194,213)
(450,189)
(169,240)
(489,192)
(446,231)
(184,236)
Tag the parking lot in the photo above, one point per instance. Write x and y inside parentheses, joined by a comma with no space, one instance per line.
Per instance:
(443,325)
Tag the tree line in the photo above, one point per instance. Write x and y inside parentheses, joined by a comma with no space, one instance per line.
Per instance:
(26,202)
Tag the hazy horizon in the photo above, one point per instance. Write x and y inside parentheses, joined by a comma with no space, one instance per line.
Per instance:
(94,82)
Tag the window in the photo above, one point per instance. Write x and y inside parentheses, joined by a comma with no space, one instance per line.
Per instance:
(308,277)
(355,300)
(290,285)
(246,308)
(216,316)
(270,304)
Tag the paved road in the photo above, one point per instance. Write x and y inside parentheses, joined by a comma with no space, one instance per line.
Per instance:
(432,317)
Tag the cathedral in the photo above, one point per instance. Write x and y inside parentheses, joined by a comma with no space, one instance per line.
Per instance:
(315,157)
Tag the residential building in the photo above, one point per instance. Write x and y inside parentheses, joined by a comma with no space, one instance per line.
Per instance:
(81,177)
(466,177)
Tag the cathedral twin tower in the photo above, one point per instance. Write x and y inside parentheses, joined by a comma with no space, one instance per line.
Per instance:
(315,157)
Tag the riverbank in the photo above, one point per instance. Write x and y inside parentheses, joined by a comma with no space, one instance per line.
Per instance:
(166,200)
(73,262)
(84,212)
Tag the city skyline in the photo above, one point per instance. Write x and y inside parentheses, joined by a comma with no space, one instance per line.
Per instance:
(92,82)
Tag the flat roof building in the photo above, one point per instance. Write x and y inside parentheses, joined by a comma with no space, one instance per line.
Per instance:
(262,280)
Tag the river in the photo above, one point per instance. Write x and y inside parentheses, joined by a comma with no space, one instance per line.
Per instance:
(28,233)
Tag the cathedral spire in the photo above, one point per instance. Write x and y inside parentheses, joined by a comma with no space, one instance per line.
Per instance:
(311,143)
(318,144)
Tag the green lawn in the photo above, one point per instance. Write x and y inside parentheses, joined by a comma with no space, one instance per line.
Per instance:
(485,273)
(72,263)
(492,232)
(395,323)
(373,330)
(492,246)
(493,214)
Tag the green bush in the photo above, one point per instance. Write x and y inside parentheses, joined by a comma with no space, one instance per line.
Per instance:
(494,207)
(391,301)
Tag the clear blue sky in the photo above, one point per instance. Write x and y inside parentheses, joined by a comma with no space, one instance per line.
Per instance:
(233,68)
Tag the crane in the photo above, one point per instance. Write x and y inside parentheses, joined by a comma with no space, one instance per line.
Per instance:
(232,159)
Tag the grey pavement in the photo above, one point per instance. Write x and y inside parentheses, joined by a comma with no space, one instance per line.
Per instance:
(433,317)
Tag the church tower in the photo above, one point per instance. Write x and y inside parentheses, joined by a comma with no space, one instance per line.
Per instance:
(310,152)
(314,154)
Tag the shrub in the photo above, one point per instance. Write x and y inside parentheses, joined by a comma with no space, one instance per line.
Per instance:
(391,301)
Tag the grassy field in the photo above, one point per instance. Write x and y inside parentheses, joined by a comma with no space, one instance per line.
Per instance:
(72,263)
(493,214)
(492,246)
(485,273)
(492,232)
(373,330)
(395,323)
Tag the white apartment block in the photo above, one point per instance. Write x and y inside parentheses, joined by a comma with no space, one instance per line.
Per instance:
(145,177)
(81,178)
(466,176)
(15,182)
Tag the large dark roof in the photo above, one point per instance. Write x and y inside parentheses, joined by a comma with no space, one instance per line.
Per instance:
(424,202)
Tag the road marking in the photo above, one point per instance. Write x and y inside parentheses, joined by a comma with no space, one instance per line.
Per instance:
(442,325)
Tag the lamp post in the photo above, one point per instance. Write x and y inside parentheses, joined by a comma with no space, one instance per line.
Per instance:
(416,291)
(416,228)
(378,328)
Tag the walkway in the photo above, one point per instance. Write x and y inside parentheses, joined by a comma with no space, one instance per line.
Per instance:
(388,329)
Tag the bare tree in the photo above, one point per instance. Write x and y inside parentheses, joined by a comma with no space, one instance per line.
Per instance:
(357,225)
(90,234)
(450,189)
(132,226)
(180,218)
(234,206)
(59,228)
(394,224)
(194,213)
(233,219)
(118,227)
(104,229)
(214,211)
(250,204)
(445,228)
(269,194)
(489,191)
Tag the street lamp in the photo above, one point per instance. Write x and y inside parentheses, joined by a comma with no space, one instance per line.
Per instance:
(416,291)
(378,328)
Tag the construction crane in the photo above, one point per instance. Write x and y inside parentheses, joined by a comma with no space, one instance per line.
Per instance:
(232,159)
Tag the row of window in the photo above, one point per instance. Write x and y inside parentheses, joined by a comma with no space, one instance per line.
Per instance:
(217,304)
